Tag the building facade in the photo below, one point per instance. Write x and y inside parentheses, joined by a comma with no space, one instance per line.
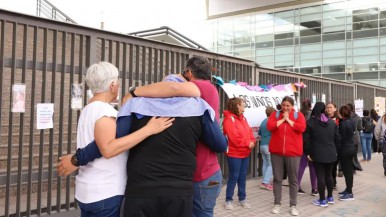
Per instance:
(343,39)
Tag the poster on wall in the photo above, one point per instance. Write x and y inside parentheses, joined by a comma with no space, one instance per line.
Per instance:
(44,116)
(256,102)
(76,96)
(379,105)
(18,98)
(359,107)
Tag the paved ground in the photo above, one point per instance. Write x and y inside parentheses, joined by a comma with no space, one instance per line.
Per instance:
(369,191)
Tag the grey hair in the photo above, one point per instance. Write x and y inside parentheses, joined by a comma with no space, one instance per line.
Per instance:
(100,75)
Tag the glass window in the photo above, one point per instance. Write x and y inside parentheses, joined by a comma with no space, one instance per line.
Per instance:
(382,40)
(334,21)
(349,60)
(289,13)
(311,55)
(382,23)
(284,28)
(268,65)
(334,61)
(310,47)
(262,38)
(284,42)
(334,45)
(284,50)
(382,31)
(264,23)
(285,57)
(334,53)
(310,10)
(365,33)
(310,70)
(264,31)
(365,25)
(310,17)
(263,52)
(224,49)
(365,59)
(340,76)
(366,10)
(349,52)
(240,47)
(264,44)
(310,32)
(260,17)
(284,64)
(284,35)
(317,62)
(334,37)
(382,57)
(382,15)
(365,42)
(311,24)
(311,39)
(334,6)
(334,68)
(364,17)
(335,13)
(365,75)
(365,51)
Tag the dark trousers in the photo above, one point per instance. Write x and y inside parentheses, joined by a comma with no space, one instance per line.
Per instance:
(346,159)
(334,172)
(324,176)
(158,206)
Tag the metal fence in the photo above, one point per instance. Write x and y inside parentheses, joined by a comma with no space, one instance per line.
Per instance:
(48,56)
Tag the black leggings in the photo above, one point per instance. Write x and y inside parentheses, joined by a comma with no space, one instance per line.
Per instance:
(324,175)
(346,160)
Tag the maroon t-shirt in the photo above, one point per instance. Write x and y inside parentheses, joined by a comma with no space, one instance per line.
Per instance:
(207,163)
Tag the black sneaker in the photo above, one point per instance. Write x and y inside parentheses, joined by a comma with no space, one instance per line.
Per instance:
(314,192)
(343,192)
(300,191)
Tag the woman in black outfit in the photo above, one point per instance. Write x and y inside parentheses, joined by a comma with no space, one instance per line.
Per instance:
(347,150)
(374,115)
(321,142)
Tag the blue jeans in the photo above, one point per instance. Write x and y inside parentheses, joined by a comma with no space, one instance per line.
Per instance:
(109,207)
(205,195)
(366,145)
(267,165)
(238,168)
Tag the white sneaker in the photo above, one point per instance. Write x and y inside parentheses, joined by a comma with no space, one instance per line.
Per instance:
(229,205)
(244,204)
(276,209)
(294,211)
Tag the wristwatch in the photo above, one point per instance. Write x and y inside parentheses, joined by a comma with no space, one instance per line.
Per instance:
(131,91)
(74,160)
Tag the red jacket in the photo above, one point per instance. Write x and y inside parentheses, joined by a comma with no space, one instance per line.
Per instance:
(286,140)
(239,134)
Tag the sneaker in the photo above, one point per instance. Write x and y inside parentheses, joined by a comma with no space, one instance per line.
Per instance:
(343,192)
(300,191)
(321,203)
(276,209)
(330,200)
(229,205)
(268,187)
(314,192)
(293,211)
(347,197)
(285,182)
(340,174)
(244,204)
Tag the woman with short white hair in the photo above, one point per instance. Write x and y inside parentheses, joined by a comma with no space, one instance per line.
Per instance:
(100,185)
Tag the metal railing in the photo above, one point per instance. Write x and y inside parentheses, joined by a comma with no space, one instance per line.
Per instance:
(46,9)
(48,56)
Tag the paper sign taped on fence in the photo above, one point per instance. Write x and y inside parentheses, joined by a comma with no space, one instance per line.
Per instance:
(18,99)
(45,113)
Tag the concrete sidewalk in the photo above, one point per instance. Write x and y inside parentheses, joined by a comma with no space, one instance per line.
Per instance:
(369,192)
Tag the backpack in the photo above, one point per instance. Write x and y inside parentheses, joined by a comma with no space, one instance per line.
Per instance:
(368,125)
(278,114)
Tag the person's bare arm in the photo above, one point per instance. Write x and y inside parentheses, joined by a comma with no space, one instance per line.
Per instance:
(165,89)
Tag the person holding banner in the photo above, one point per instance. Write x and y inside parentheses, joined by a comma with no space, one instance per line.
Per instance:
(240,143)
(286,148)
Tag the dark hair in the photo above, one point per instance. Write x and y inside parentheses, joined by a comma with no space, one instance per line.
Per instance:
(352,107)
(200,67)
(345,111)
(278,107)
(336,113)
(269,110)
(288,99)
(366,112)
(305,106)
(232,105)
(374,114)
(319,109)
